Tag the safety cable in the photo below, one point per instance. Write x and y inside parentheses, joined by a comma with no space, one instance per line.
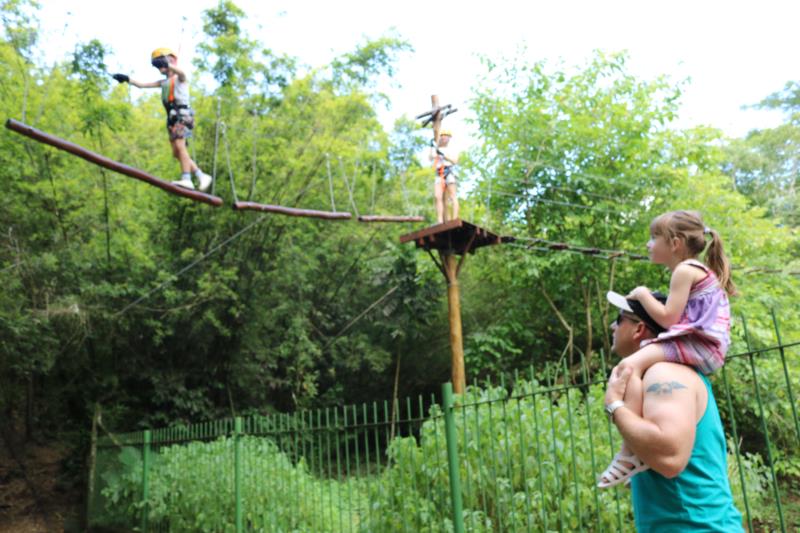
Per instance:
(254,162)
(228,158)
(330,180)
(535,200)
(347,183)
(216,146)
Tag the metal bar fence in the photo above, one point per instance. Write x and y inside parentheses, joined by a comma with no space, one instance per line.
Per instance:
(498,458)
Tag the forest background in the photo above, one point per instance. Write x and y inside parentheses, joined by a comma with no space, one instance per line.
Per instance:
(155,310)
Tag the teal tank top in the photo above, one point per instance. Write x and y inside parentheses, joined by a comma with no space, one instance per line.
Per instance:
(699,499)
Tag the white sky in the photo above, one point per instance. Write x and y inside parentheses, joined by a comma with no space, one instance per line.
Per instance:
(735,52)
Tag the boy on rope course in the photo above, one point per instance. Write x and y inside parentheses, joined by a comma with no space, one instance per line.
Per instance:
(180,117)
(444,160)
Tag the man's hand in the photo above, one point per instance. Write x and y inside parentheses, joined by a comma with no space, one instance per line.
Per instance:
(617,383)
(121,78)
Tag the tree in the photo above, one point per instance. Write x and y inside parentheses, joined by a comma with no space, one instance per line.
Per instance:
(765,165)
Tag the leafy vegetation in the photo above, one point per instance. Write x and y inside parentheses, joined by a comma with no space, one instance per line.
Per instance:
(122,300)
(528,462)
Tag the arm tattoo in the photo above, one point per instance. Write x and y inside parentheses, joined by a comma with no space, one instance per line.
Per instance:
(665,388)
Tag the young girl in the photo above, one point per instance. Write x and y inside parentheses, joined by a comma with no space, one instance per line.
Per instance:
(444,160)
(696,314)
(180,117)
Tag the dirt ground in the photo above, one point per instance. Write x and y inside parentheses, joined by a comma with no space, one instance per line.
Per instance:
(31,498)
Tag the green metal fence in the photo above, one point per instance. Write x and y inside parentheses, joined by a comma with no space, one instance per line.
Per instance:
(502,457)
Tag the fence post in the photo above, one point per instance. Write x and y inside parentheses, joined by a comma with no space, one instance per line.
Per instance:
(763,425)
(145,475)
(237,472)
(786,373)
(452,457)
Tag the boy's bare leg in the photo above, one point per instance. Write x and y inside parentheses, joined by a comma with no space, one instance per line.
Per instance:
(453,197)
(438,195)
(182,155)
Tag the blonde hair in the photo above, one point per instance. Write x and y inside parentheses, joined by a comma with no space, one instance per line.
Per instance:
(688,226)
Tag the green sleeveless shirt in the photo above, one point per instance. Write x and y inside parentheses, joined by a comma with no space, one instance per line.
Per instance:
(699,499)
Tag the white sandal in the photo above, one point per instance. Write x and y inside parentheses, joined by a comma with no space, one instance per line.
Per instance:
(619,471)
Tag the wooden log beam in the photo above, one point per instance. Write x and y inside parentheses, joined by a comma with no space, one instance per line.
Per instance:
(292,212)
(97,159)
(390,218)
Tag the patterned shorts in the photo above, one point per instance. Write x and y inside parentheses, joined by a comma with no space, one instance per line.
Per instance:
(694,351)
(180,123)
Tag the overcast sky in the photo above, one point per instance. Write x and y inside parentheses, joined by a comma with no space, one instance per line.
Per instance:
(735,53)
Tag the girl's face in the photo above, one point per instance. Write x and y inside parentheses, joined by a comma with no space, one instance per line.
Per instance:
(660,250)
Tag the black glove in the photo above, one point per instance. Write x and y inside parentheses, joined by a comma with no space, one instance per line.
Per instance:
(122,78)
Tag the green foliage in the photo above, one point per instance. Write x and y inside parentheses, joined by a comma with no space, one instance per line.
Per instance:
(241,314)
(369,60)
(19,25)
(754,474)
(192,489)
(527,462)
(235,61)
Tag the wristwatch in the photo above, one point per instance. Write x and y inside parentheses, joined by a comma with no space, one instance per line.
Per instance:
(613,406)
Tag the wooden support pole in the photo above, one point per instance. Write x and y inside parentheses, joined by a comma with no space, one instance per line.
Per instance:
(450,239)
(437,122)
(97,159)
(454,313)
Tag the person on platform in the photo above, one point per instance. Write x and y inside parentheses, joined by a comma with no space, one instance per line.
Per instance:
(445,190)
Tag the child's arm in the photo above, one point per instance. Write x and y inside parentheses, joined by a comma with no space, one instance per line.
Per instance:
(679,286)
(145,84)
(124,78)
(173,69)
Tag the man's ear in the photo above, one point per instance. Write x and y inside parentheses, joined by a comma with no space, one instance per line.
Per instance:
(641,332)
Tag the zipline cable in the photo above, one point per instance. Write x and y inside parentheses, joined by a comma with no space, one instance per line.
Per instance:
(602,253)
(586,250)
(360,315)
(191,265)
(536,199)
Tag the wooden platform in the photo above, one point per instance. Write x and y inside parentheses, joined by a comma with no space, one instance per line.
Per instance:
(457,236)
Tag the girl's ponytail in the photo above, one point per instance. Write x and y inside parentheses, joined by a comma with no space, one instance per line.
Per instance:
(718,262)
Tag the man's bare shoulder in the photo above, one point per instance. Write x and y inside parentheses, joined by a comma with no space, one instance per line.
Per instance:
(673,376)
